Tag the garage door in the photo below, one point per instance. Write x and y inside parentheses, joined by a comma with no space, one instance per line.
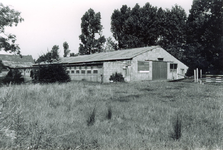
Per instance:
(159,70)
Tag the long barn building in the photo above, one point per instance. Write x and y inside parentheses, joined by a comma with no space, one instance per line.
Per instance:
(137,64)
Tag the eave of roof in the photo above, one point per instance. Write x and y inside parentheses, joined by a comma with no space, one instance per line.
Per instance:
(15,61)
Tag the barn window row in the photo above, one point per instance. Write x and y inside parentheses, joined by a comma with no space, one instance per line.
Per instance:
(82,72)
(84,67)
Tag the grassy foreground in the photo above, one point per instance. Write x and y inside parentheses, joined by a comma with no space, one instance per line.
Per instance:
(80,115)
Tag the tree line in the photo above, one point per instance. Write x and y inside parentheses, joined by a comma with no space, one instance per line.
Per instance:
(195,39)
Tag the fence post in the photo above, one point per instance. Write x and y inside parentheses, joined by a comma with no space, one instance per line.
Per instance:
(195,76)
(201,73)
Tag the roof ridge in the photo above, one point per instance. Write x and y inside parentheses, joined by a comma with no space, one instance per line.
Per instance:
(106,56)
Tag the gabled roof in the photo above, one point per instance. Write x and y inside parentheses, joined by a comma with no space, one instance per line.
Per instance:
(108,56)
(15,61)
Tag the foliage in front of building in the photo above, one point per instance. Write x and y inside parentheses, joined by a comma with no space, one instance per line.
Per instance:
(14,77)
(116,77)
(50,74)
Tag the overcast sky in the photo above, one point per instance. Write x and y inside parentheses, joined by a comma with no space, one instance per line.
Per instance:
(52,22)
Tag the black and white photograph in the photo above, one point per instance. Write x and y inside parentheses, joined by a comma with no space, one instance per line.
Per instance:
(111,75)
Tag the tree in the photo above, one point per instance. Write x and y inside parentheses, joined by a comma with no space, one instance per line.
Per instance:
(118,25)
(204,36)
(66,49)
(8,17)
(135,27)
(172,28)
(149,25)
(50,56)
(91,28)
(55,52)
(110,45)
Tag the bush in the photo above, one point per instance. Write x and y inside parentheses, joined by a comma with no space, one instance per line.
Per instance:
(51,73)
(14,76)
(116,77)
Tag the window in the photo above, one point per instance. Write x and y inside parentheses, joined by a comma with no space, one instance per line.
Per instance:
(160,59)
(173,67)
(77,71)
(143,66)
(68,71)
(72,71)
(88,71)
(82,71)
(95,71)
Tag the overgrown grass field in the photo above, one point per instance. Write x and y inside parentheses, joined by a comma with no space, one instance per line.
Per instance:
(81,115)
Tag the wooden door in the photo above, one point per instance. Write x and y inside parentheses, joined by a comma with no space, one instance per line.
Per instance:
(159,70)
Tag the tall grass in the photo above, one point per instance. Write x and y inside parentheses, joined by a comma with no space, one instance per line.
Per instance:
(91,119)
(53,116)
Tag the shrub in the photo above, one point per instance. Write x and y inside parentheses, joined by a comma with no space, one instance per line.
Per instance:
(116,77)
(51,73)
(14,76)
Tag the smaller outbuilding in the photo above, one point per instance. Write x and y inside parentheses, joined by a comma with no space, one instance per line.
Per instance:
(136,64)
(24,64)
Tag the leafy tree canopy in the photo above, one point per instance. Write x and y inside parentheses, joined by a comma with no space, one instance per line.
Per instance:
(110,45)
(8,17)
(204,36)
(50,56)
(66,49)
(148,25)
(91,28)
(135,27)
(172,30)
